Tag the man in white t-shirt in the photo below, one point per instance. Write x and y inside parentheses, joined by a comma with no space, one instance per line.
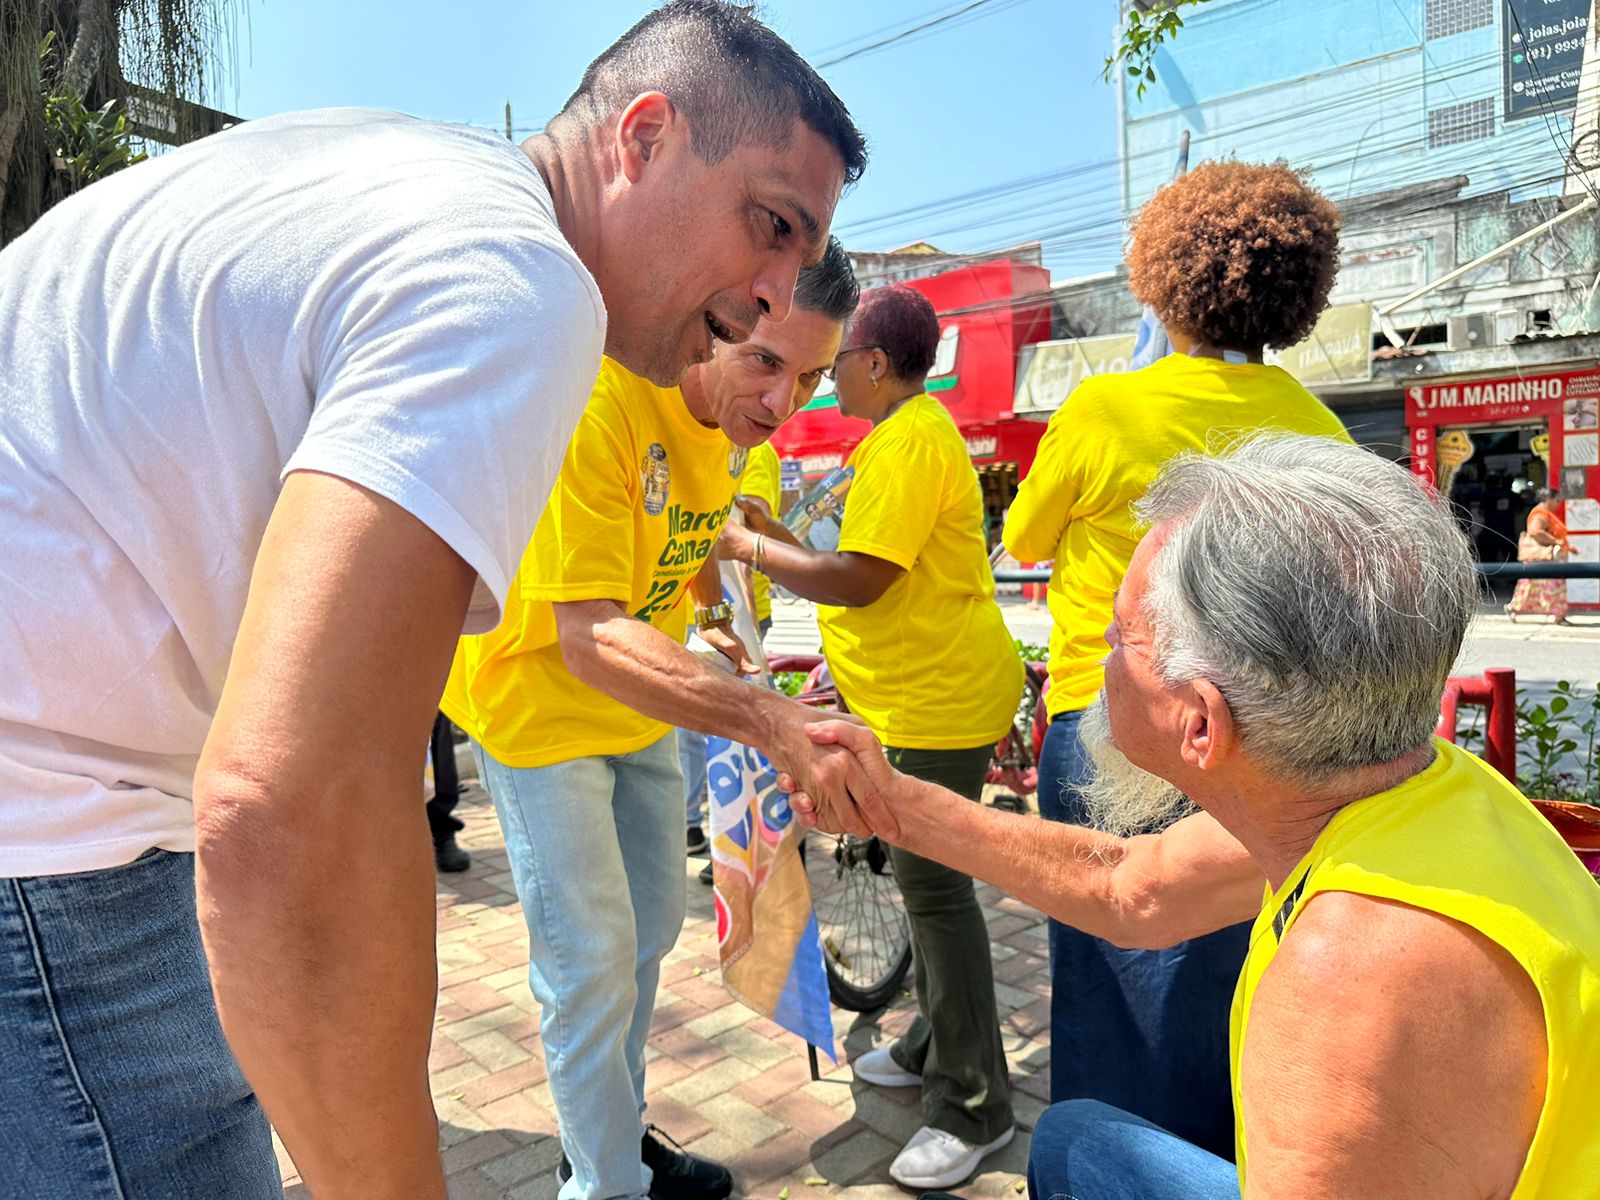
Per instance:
(270,407)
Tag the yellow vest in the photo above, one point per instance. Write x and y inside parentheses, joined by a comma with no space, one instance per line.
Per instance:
(1458,840)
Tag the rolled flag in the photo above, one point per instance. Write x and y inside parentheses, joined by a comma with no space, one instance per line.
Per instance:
(1150,343)
(766,926)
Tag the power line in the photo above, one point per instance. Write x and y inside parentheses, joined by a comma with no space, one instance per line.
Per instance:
(919,28)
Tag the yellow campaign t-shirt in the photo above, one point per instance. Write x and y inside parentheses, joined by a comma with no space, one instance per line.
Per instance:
(1458,840)
(1099,454)
(643,492)
(762,478)
(929,665)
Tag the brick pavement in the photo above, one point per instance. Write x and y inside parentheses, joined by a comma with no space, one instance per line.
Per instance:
(722,1080)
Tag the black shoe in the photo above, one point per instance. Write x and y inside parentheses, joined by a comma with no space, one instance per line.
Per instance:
(707,875)
(678,1175)
(449,857)
(698,842)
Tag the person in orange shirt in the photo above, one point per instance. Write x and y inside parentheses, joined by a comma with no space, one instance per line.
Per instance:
(1544,541)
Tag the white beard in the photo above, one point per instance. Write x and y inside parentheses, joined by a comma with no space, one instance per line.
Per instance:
(1120,798)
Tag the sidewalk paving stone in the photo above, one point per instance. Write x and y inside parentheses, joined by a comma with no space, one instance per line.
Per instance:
(722,1080)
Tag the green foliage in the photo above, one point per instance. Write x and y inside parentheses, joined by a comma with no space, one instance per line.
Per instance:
(1549,734)
(1031,652)
(790,683)
(85,144)
(1142,34)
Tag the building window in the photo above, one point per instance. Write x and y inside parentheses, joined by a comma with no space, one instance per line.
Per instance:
(1456,123)
(1457,16)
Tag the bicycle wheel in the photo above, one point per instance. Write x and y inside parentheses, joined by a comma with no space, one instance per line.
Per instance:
(866,938)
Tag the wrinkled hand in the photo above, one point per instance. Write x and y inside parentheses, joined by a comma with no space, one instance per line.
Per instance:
(830,777)
(722,639)
(869,797)
(757,514)
(736,543)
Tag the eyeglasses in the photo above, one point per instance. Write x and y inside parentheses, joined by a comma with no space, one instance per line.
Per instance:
(832,372)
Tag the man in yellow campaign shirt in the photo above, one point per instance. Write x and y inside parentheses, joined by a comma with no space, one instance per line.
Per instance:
(1233,258)
(1418,1017)
(570,705)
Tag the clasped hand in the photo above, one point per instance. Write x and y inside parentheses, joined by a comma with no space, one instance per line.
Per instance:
(846,782)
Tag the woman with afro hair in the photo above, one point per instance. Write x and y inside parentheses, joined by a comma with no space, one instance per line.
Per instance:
(1235,259)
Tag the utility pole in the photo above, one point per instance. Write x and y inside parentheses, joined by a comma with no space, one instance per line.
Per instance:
(1583,162)
(509,138)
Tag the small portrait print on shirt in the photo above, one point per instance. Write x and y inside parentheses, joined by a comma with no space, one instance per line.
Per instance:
(657,478)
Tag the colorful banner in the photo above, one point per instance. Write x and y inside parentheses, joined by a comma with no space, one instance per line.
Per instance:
(766,927)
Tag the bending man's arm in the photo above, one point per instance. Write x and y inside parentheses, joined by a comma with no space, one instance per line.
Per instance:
(315,885)
(638,665)
(1145,892)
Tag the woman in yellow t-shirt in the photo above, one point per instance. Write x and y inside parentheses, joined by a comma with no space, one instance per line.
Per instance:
(1234,258)
(921,654)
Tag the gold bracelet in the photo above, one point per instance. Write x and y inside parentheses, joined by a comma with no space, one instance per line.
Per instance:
(758,555)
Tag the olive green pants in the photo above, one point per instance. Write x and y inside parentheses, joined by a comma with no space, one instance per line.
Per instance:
(954,1043)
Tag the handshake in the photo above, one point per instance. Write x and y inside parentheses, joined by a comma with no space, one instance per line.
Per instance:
(836,775)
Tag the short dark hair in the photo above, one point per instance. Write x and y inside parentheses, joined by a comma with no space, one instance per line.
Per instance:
(1241,254)
(736,81)
(829,286)
(900,321)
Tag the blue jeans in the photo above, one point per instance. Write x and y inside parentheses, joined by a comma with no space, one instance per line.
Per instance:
(1143,1030)
(692,761)
(596,849)
(1085,1150)
(115,1079)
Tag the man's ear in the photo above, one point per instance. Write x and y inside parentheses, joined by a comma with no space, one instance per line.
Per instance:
(645,124)
(1209,732)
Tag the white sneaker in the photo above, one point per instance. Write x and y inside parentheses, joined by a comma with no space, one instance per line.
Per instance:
(876,1066)
(936,1159)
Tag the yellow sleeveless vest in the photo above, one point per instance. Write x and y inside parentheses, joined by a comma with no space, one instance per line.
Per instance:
(1458,840)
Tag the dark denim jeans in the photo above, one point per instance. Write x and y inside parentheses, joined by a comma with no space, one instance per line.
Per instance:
(115,1079)
(1145,1031)
(1085,1150)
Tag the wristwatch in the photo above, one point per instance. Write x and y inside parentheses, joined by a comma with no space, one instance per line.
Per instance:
(717,614)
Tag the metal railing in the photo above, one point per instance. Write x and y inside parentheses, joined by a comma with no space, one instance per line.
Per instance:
(1508,570)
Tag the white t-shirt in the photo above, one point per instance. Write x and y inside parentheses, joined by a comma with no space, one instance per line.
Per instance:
(353,292)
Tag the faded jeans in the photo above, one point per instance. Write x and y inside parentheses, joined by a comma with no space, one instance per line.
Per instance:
(596,849)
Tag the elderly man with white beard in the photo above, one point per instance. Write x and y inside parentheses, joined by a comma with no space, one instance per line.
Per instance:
(1419,1013)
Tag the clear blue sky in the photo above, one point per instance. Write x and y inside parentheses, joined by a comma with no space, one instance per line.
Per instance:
(1010,91)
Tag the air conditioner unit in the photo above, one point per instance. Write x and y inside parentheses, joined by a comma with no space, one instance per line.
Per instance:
(1472,331)
(1512,323)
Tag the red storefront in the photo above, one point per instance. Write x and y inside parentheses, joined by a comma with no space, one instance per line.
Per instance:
(987,313)
(1490,443)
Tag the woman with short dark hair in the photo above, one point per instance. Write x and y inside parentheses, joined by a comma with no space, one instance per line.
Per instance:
(921,654)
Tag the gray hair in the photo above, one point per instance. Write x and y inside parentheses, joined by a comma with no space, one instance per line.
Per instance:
(735,79)
(1322,589)
(828,286)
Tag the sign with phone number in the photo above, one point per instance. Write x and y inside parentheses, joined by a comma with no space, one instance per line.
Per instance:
(1543,53)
